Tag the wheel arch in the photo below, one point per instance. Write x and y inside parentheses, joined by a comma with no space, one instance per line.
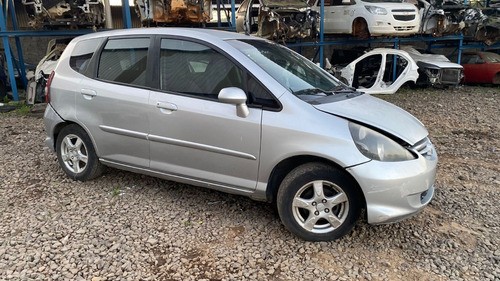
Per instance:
(60,126)
(287,165)
(360,20)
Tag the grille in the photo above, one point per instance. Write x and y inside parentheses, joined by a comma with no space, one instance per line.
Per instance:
(403,11)
(404,17)
(451,76)
(423,147)
(404,28)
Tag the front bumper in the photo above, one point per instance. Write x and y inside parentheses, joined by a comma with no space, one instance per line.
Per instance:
(396,190)
(385,28)
(387,25)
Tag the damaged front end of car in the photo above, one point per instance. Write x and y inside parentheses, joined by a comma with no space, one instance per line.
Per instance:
(283,23)
(452,17)
(60,14)
(283,20)
(173,12)
(434,75)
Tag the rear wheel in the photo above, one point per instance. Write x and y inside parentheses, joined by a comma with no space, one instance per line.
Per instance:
(76,154)
(317,202)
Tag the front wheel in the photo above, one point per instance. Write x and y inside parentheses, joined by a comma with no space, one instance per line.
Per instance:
(317,202)
(76,154)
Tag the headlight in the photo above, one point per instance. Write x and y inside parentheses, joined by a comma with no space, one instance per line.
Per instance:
(376,146)
(376,10)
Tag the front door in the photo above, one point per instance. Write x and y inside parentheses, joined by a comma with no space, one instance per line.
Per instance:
(192,134)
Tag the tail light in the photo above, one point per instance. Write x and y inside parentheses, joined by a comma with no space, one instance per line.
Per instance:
(47,87)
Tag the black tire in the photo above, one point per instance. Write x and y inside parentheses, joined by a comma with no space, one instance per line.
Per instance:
(298,187)
(76,154)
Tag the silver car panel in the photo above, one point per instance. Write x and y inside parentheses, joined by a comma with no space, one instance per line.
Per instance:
(118,122)
(195,139)
(380,115)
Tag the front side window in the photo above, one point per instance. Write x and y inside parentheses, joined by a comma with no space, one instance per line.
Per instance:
(195,69)
(124,61)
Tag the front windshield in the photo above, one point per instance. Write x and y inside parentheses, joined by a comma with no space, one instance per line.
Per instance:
(299,75)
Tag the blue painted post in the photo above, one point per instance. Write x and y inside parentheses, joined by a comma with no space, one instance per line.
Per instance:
(321,33)
(8,53)
(126,14)
(22,68)
(460,45)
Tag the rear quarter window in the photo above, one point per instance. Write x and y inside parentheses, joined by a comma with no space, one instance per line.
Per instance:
(82,53)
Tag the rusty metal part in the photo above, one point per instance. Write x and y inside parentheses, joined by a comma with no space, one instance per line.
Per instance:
(181,11)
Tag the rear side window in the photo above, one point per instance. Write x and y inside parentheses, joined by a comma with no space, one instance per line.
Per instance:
(124,61)
(82,53)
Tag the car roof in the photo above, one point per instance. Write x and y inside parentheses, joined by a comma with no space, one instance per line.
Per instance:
(200,33)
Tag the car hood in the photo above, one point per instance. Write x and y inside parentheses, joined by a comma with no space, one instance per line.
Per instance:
(438,64)
(379,114)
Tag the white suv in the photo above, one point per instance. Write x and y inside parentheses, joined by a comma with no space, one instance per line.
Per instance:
(369,17)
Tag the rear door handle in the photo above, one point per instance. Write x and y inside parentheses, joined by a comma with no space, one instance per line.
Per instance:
(88,94)
(166,107)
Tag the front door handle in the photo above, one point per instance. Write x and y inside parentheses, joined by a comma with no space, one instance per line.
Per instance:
(88,94)
(166,107)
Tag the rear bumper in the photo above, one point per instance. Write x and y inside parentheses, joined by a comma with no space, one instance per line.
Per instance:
(51,120)
(396,190)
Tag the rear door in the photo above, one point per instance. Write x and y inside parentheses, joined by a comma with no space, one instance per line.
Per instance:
(113,106)
(194,135)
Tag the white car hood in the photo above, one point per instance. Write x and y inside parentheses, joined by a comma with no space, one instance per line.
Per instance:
(379,114)
(434,59)
(442,64)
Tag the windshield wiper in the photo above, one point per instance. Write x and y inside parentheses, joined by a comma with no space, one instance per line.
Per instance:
(343,89)
(312,92)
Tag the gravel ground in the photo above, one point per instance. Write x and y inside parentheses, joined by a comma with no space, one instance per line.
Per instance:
(125,226)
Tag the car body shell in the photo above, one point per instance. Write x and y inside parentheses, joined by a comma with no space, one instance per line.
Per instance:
(378,71)
(205,143)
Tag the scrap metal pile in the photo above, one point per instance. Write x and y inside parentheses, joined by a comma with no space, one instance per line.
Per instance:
(173,12)
(452,17)
(70,14)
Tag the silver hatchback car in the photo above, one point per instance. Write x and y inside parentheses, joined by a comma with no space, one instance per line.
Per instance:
(242,115)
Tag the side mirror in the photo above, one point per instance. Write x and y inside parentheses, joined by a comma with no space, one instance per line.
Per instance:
(236,96)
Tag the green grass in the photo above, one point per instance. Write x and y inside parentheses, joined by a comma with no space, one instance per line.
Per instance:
(116,191)
(23,109)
